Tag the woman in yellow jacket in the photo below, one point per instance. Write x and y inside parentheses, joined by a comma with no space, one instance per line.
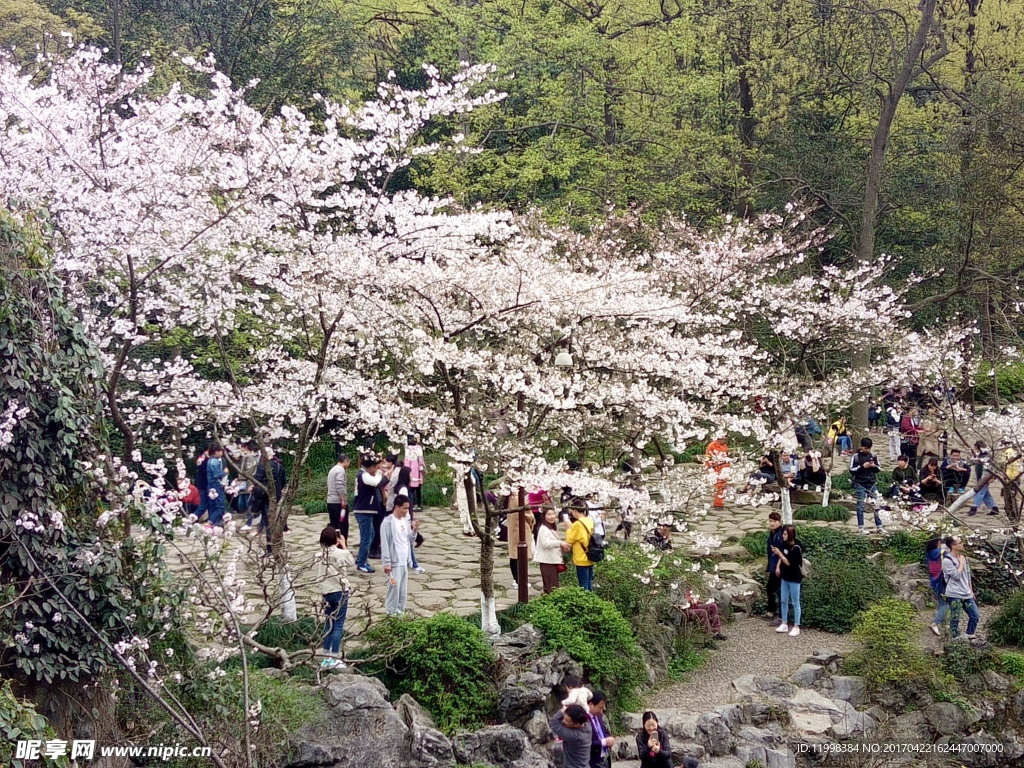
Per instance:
(578,536)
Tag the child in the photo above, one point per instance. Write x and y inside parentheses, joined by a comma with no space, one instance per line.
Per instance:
(874,416)
(577,692)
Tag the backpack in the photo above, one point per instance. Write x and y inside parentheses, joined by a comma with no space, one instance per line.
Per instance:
(595,548)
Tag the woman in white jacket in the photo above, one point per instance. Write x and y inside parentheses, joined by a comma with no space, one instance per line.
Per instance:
(548,552)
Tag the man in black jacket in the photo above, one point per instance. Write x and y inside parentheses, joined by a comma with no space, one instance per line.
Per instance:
(774,583)
(601,740)
(864,469)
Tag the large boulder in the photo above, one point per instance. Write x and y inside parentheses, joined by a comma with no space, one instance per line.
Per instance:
(358,727)
(518,646)
(530,688)
(501,746)
(425,744)
(947,719)
(851,689)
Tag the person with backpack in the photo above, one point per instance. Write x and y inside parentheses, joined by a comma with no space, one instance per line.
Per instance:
(934,550)
(581,537)
(959,589)
(864,469)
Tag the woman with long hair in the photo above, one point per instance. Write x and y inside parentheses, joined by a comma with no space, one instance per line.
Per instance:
(333,565)
(652,743)
(788,569)
(548,554)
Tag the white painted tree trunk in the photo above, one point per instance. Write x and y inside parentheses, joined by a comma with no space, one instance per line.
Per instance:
(289,609)
(828,489)
(489,617)
(787,508)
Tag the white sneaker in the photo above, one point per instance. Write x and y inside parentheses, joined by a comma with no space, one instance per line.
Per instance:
(329,664)
(935,630)
(419,569)
(245,528)
(865,531)
(515,585)
(794,631)
(782,628)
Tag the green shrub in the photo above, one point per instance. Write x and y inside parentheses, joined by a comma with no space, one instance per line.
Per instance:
(842,482)
(907,547)
(1009,378)
(756,543)
(1013,664)
(618,580)
(1007,626)
(292,636)
(685,658)
(889,656)
(837,590)
(443,662)
(593,632)
(962,660)
(315,507)
(832,513)
(821,542)
(19,721)
(286,705)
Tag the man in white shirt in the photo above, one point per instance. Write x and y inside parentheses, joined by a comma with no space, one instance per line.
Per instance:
(397,534)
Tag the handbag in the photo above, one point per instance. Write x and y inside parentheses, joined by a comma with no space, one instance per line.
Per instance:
(561,567)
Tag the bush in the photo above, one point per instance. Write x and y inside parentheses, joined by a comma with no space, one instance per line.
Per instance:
(619,581)
(832,513)
(1013,664)
(843,482)
(1009,378)
(286,705)
(831,542)
(685,658)
(1007,627)
(837,590)
(907,547)
(889,656)
(595,634)
(756,543)
(19,721)
(443,662)
(962,660)
(292,636)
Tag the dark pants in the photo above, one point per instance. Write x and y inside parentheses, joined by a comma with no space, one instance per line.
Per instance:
(416,496)
(338,522)
(956,478)
(375,546)
(774,585)
(549,575)
(336,609)
(911,452)
(513,566)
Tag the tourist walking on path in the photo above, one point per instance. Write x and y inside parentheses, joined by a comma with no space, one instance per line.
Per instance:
(934,550)
(333,566)
(275,482)
(337,495)
(417,470)
(572,726)
(959,589)
(215,474)
(864,469)
(791,558)
(716,461)
(910,435)
(774,582)
(652,743)
(982,457)
(601,739)
(370,484)
(397,534)
(578,537)
(548,554)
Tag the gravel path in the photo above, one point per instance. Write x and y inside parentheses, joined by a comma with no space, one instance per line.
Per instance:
(752,647)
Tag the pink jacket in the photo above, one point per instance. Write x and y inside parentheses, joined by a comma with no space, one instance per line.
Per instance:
(417,467)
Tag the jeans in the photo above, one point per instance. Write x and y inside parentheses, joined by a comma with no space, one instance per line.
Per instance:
(973,616)
(216,506)
(585,576)
(845,442)
(943,610)
(862,493)
(244,506)
(336,608)
(791,593)
(365,521)
(398,590)
(984,497)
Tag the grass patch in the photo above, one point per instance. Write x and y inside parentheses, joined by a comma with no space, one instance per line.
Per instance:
(833,513)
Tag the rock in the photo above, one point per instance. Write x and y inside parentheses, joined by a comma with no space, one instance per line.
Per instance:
(688,749)
(853,723)
(518,645)
(522,694)
(625,749)
(730,567)
(771,687)
(748,753)
(1017,705)
(732,714)
(500,746)
(427,745)
(729,552)
(806,700)
(807,675)
(851,689)
(780,758)
(360,728)
(883,559)
(682,727)
(713,733)
(945,718)
(765,736)
(994,681)
(812,724)
(537,728)
(824,658)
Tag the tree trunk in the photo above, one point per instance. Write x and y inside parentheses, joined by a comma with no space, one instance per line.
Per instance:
(76,711)
(910,67)
(488,613)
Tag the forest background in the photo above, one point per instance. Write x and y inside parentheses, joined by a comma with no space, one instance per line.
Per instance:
(898,124)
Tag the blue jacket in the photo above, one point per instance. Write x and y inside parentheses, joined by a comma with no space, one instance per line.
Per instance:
(215,473)
(774,540)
